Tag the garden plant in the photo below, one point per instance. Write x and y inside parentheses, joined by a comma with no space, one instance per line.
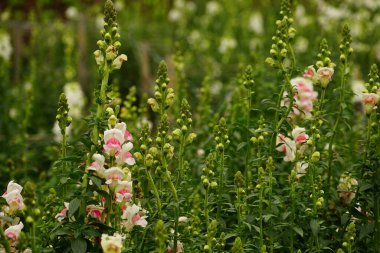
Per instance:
(190,126)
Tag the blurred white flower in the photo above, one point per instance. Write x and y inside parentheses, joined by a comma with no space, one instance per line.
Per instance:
(75,99)
(301,45)
(256,23)
(119,5)
(72,13)
(175,15)
(213,8)
(5,46)
(357,88)
(227,44)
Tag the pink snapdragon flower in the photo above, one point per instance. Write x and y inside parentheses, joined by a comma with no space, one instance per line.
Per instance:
(98,165)
(13,186)
(95,211)
(13,197)
(134,216)
(123,191)
(124,156)
(123,128)
(114,175)
(310,73)
(304,96)
(370,101)
(63,213)
(286,146)
(113,140)
(290,146)
(324,75)
(299,135)
(13,232)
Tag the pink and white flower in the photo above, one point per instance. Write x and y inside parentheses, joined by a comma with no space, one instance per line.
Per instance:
(13,186)
(14,199)
(324,75)
(134,216)
(123,191)
(112,244)
(98,165)
(299,135)
(124,156)
(95,211)
(310,73)
(13,232)
(63,213)
(303,95)
(114,175)
(113,140)
(123,128)
(286,146)
(370,101)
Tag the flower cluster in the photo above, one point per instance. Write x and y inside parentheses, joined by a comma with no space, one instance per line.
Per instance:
(346,188)
(323,75)
(303,95)
(289,146)
(15,202)
(109,166)
(371,94)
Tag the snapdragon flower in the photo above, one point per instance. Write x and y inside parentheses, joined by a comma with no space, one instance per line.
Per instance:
(13,232)
(346,188)
(134,216)
(112,244)
(304,96)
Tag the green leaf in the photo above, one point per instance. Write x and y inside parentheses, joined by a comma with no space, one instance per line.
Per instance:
(298,230)
(73,206)
(314,227)
(79,246)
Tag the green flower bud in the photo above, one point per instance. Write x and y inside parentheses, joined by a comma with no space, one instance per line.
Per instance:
(315,156)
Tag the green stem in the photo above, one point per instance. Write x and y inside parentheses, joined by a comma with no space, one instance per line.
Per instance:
(100,107)
(248,151)
(314,197)
(155,191)
(292,194)
(180,160)
(338,118)
(220,184)
(238,208)
(270,209)
(174,192)
(278,123)
(206,207)
(63,147)
(261,218)
(34,237)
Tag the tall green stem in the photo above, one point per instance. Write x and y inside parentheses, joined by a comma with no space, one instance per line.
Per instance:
(220,184)
(337,120)
(248,151)
(155,191)
(174,192)
(261,218)
(206,207)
